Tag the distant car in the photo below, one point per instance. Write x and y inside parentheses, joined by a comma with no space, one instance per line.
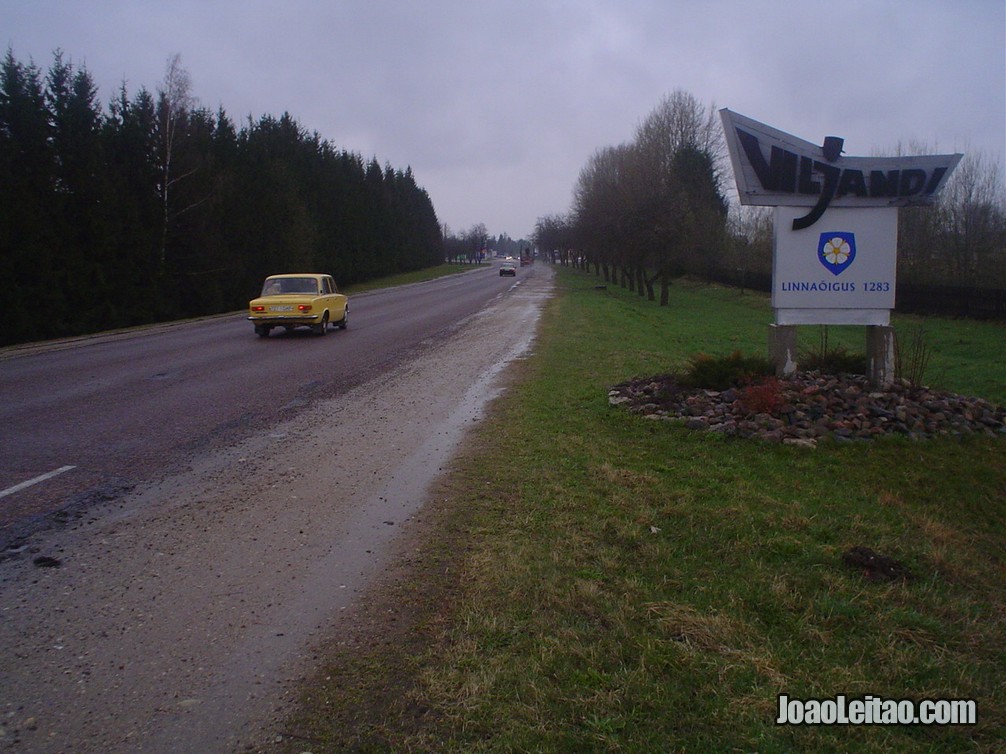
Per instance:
(298,300)
(508,268)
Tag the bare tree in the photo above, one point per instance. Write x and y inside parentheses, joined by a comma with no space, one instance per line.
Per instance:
(597,206)
(680,156)
(475,241)
(962,240)
(750,242)
(175,101)
(553,236)
(971,218)
(681,122)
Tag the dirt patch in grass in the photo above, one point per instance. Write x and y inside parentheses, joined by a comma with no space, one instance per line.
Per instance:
(874,566)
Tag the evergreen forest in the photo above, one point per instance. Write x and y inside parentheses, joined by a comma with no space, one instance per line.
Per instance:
(155,209)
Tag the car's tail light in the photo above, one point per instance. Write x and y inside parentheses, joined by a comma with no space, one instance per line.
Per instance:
(258,308)
(304,307)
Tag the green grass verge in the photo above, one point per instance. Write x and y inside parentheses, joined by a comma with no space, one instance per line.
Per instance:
(596,581)
(405,278)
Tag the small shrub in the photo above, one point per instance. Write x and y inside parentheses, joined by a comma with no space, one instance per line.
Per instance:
(835,361)
(828,360)
(763,396)
(724,372)
(911,356)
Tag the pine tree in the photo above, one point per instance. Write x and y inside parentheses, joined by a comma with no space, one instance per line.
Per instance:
(27,236)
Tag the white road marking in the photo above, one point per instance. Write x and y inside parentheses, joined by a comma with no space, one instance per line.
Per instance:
(36,480)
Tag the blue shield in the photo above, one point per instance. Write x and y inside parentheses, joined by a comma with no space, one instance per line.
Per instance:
(836,251)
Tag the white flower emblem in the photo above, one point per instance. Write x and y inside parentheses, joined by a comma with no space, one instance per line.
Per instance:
(836,251)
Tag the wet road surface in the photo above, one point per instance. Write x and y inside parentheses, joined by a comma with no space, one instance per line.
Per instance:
(86,420)
(183,612)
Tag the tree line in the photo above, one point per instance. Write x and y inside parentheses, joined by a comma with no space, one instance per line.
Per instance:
(158,209)
(471,245)
(650,210)
(655,208)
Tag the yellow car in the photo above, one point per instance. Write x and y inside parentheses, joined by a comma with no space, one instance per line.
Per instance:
(302,299)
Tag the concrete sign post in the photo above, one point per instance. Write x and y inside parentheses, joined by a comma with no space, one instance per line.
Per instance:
(836,231)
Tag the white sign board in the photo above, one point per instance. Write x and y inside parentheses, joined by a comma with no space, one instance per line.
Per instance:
(840,271)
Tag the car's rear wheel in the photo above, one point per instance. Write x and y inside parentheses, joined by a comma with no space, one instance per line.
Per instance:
(322,328)
(344,322)
(262,331)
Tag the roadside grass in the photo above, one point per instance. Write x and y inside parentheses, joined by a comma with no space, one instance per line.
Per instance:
(405,278)
(597,581)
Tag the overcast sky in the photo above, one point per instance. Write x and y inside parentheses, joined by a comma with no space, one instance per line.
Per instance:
(497,106)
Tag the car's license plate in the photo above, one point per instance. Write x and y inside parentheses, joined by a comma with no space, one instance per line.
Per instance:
(282,308)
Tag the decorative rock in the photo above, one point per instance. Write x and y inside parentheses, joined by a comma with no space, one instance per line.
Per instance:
(801,442)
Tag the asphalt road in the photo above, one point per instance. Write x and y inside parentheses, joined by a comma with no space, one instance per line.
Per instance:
(95,417)
(266,489)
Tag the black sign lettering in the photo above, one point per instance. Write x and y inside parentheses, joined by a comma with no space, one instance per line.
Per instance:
(773,168)
(912,182)
(807,184)
(831,179)
(765,173)
(884,184)
(934,182)
(852,182)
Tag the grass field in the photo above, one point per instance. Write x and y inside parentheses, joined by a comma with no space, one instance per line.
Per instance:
(599,582)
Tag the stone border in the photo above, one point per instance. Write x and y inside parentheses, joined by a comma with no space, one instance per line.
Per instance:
(809,406)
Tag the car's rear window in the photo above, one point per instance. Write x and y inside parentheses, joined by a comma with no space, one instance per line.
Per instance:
(278,286)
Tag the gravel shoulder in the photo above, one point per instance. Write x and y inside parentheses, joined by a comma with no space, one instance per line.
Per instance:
(181,617)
